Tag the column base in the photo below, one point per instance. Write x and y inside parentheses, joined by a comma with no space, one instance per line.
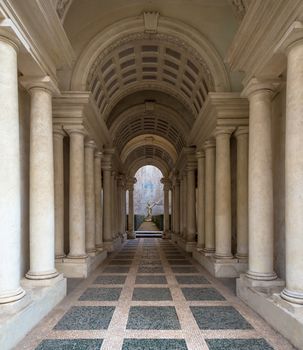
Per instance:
(292,297)
(81,268)
(166,235)
(19,317)
(131,235)
(220,268)
(174,237)
(261,276)
(42,276)
(11,297)
(264,298)
(189,247)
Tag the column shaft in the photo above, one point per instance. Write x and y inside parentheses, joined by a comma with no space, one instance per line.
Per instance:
(90,228)
(210,165)
(191,205)
(177,207)
(223,194)
(260,182)
(293,291)
(42,203)
(58,136)
(98,203)
(201,195)
(242,192)
(76,195)
(107,204)
(10,189)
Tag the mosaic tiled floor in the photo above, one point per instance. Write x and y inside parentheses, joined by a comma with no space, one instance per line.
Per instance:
(152,296)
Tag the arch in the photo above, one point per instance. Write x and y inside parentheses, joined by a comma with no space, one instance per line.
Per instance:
(140,162)
(148,140)
(162,121)
(175,29)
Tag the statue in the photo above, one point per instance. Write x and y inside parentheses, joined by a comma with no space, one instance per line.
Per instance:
(149,209)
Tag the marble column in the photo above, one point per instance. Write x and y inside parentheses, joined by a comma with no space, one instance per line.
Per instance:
(210,164)
(58,136)
(98,202)
(293,292)
(191,203)
(184,205)
(130,187)
(177,207)
(121,203)
(76,195)
(260,182)
(41,191)
(166,187)
(107,200)
(90,228)
(10,201)
(242,192)
(181,205)
(201,200)
(223,194)
(114,205)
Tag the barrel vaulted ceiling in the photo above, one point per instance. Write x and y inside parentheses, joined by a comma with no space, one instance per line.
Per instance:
(149,65)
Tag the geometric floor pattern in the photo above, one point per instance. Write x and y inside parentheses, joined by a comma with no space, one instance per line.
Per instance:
(152,296)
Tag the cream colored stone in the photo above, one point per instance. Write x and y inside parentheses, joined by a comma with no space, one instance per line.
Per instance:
(191,204)
(201,200)
(210,156)
(107,206)
(260,182)
(42,204)
(223,193)
(242,192)
(90,224)
(98,201)
(76,195)
(293,291)
(130,229)
(58,136)
(10,201)
(177,207)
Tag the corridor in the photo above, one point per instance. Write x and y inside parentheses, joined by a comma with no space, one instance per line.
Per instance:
(152,296)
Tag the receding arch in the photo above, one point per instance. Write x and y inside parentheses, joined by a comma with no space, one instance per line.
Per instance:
(149,140)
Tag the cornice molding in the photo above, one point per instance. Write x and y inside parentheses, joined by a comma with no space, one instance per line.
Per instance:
(78,108)
(253,49)
(44,40)
(220,110)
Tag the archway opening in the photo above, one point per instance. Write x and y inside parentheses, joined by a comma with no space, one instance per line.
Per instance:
(148,201)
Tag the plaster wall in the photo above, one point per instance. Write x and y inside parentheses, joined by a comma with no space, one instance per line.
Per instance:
(278,146)
(24,120)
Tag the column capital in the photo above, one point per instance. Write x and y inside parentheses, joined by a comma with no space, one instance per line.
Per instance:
(10,38)
(241,130)
(99,154)
(130,183)
(266,86)
(166,183)
(200,154)
(45,83)
(292,37)
(90,144)
(75,129)
(210,143)
(224,130)
(58,131)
